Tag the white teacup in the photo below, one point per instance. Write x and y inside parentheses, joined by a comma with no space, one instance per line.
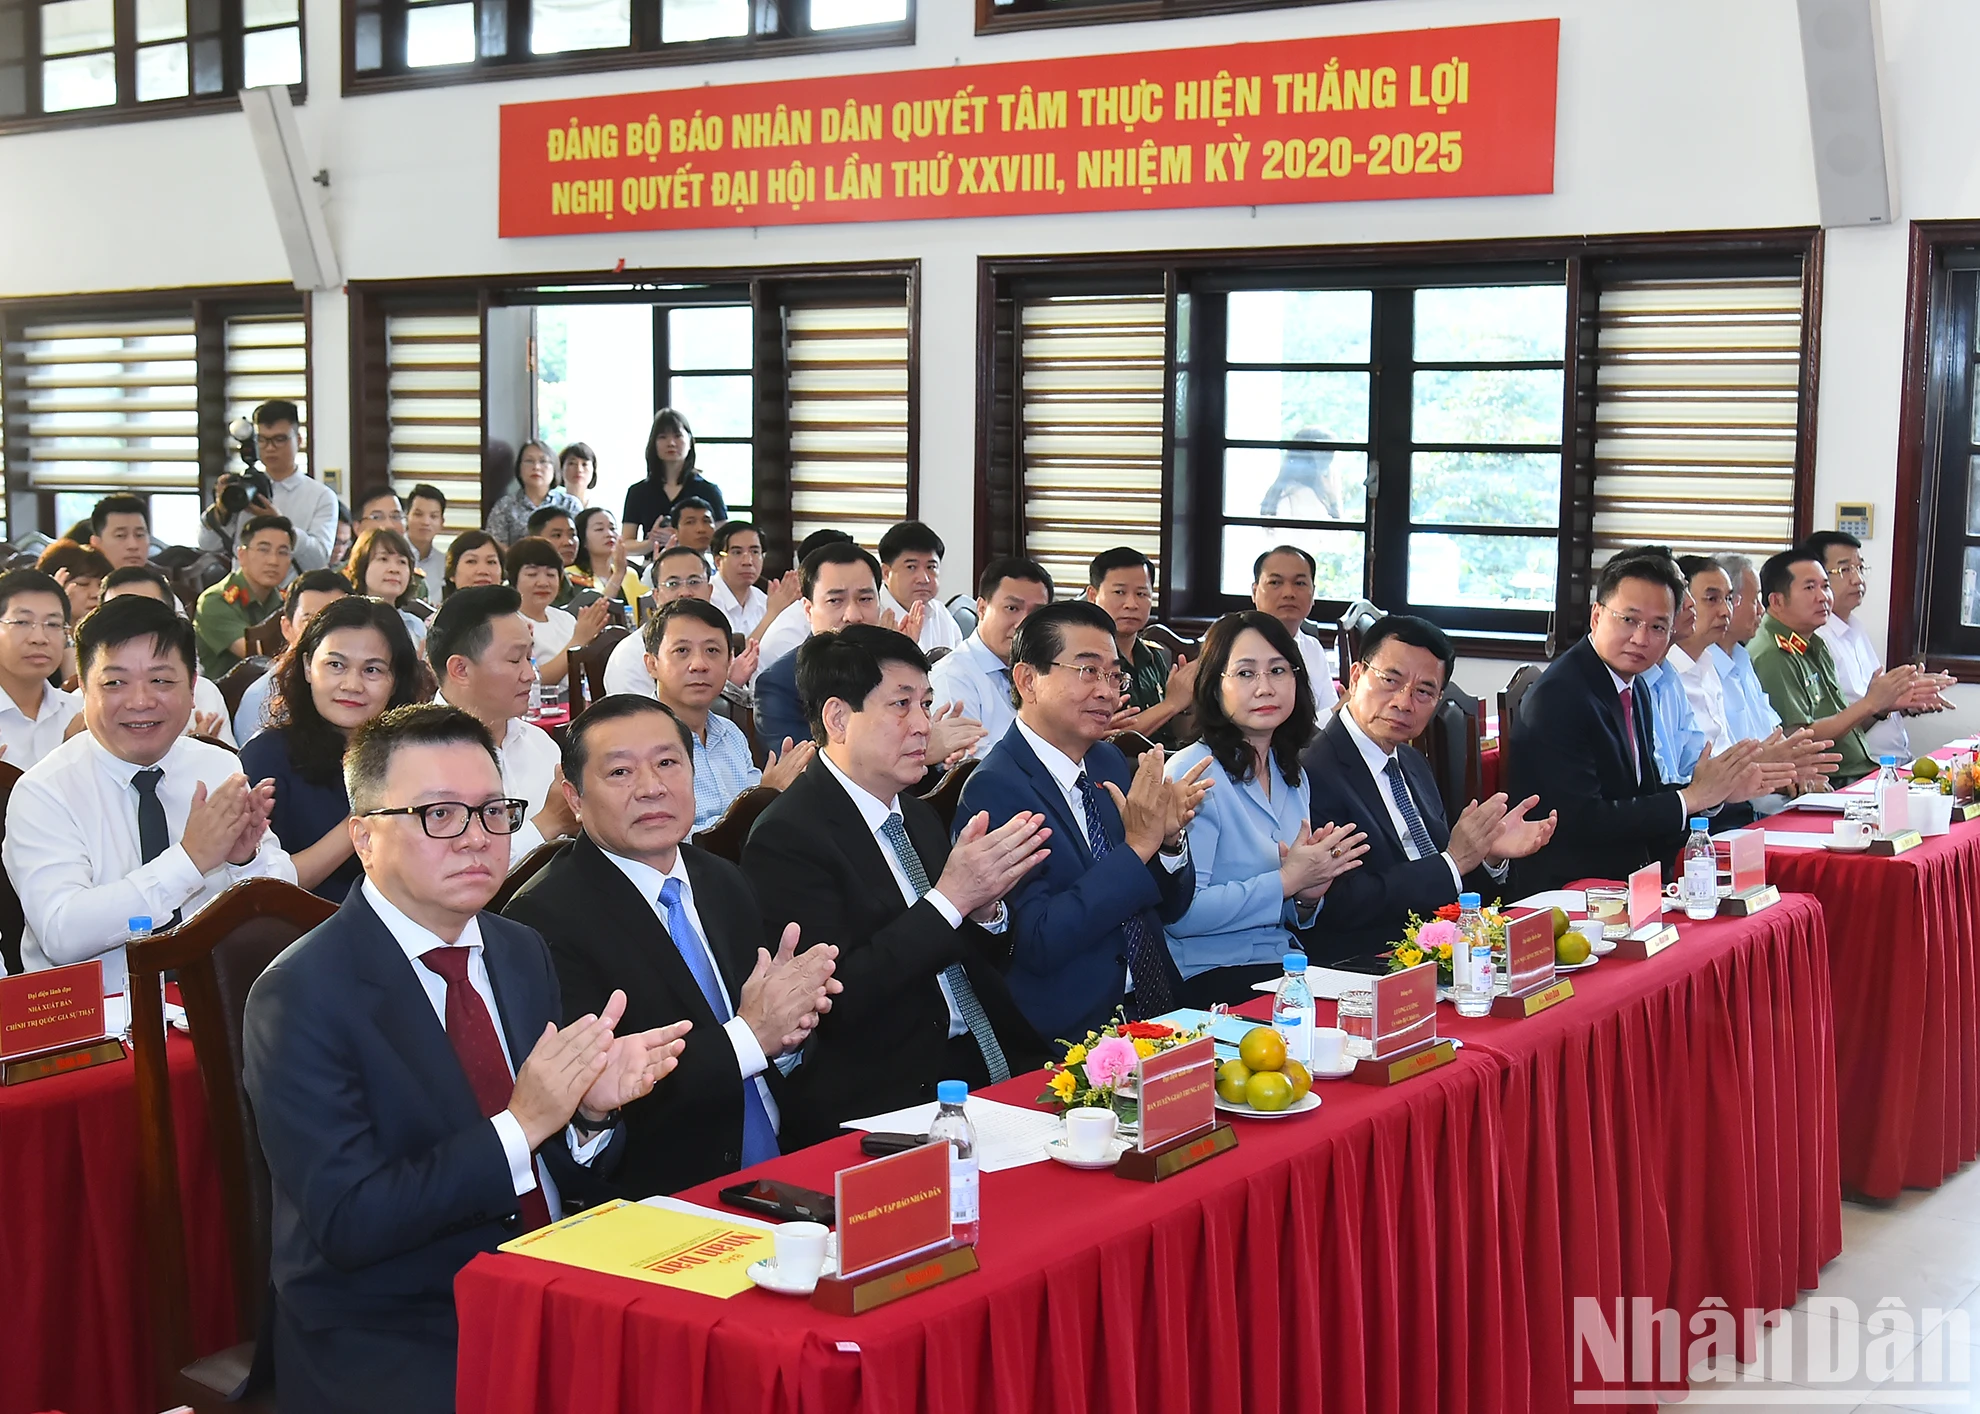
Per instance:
(800,1251)
(1329,1049)
(1592,929)
(1090,1133)
(1852,834)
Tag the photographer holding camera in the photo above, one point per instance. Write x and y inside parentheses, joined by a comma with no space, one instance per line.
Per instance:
(276,487)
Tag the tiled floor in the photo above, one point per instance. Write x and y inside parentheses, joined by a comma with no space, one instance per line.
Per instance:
(1922,1251)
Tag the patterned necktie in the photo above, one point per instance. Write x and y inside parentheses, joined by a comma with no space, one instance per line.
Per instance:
(472,1030)
(1629,731)
(1151,982)
(759,1134)
(1419,834)
(967,1003)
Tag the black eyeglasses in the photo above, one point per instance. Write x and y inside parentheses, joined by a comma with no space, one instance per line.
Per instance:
(448,819)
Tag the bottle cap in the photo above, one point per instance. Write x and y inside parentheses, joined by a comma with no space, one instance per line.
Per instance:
(1295,963)
(952,1092)
(140,924)
(1890,760)
(1467,900)
(1699,822)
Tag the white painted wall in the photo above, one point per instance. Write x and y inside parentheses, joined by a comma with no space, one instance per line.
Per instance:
(1677,115)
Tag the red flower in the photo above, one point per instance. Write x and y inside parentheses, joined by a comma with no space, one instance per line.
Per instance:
(1147,1030)
(1449,912)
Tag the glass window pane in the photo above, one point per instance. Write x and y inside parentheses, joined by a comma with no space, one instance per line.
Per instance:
(1338,555)
(1303,483)
(1301,407)
(556,26)
(13,35)
(1482,571)
(160,19)
(68,26)
(1505,323)
(710,338)
(273,56)
(684,21)
(1485,488)
(729,465)
(594,384)
(174,518)
(13,90)
(1488,405)
(207,72)
(1969,593)
(439,34)
(838,14)
(714,407)
(86,82)
(256,13)
(370,41)
(162,72)
(1298,326)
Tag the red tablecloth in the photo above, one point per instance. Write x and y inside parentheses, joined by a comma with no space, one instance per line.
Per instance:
(1904,952)
(1669,1133)
(77,1333)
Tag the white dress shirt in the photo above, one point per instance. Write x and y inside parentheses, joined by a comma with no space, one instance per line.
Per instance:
(625,668)
(525,1172)
(750,1059)
(1378,757)
(786,632)
(981,681)
(529,758)
(550,637)
(207,698)
(1857,661)
(1319,674)
(938,625)
(28,739)
(72,851)
(433,569)
(744,614)
(311,507)
(1706,693)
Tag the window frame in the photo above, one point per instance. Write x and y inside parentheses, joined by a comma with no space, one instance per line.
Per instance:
(645,51)
(125,47)
(1188,595)
(992,18)
(664,371)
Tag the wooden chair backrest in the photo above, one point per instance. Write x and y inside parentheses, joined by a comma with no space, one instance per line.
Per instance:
(1162,636)
(264,640)
(234,683)
(725,837)
(948,791)
(592,662)
(528,868)
(1132,744)
(1510,701)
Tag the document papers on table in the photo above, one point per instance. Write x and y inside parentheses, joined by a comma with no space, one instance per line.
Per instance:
(1007,1136)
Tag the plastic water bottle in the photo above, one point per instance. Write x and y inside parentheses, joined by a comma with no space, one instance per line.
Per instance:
(135,928)
(535,688)
(1474,980)
(1893,799)
(951,1126)
(1698,886)
(1292,1011)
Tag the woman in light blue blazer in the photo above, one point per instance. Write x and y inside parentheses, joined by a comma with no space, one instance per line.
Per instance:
(1261,869)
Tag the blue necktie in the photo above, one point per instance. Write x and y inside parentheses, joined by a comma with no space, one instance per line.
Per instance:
(1151,983)
(1419,835)
(759,1135)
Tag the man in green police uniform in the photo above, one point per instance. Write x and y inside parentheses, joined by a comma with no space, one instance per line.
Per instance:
(1122,581)
(1795,667)
(227,610)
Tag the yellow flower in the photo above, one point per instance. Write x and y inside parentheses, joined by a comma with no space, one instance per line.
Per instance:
(1075,1054)
(1063,1085)
(1143,1047)
(1444,951)
(1409,955)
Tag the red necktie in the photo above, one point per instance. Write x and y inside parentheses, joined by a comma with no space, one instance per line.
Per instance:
(1629,737)
(472,1030)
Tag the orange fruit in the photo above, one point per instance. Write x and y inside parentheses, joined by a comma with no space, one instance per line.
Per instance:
(1301,1078)
(1268,1090)
(1262,1049)
(1232,1076)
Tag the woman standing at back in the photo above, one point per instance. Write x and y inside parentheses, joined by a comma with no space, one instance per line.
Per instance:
(670,477)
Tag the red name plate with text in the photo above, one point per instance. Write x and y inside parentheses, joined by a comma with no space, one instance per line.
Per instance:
(1646,896)
(893,1207)
(1177,1090)
(43,1011)
(1405,1009)
(1530,951)
(1749,859)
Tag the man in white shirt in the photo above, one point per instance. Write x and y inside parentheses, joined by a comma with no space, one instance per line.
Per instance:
(978,674)
(782,633)
(738,567)
(911,580)
(1282,586)
(426,516)
(678,573)
(1693,658)
(34,630)
(1856,657)
(479,645)
(309,505)
(209,715)
(130,818)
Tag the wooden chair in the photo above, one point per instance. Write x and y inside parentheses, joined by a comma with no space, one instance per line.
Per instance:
(1509,705)
(264,640)
(12,921)
(234,683)
(1162,636)
(218,953)
(725,837)
(591,665)
(216,741)
(948,791)
(1354,622)
(936,655)
(530,866)
(1443,745)
(1132,744)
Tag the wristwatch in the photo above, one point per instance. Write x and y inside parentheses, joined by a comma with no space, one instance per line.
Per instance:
(1181,849)
(591,1129)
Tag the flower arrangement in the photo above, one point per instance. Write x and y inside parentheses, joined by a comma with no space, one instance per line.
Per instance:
(1432,939)
(1096,1070)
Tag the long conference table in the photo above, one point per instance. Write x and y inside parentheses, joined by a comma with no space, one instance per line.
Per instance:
(1669,1133)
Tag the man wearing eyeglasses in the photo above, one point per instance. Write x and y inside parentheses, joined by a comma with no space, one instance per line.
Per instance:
(678,573)
(308,504)
(34,633)
(1357,770)
(418,1104)
(1858,662)
(1584,740)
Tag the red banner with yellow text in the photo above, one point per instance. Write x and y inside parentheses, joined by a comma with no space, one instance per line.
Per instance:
(1445,112)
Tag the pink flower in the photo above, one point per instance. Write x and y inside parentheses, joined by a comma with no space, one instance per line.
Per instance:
(1437,935)
(1111,1061)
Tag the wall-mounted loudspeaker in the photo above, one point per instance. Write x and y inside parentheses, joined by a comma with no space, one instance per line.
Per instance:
(1842,57)
(293,189)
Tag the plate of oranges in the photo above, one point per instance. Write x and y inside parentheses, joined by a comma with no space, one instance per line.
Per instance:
(1262,1081)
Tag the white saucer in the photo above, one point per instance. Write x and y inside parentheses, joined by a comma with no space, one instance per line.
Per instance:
(1061,1151)
(1343,1073)
(764,1274)
(1601,949)
(1304,1105)
(1834,848)
(1593,958)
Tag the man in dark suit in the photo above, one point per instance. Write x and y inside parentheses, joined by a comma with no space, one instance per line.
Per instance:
(847,854)
(1086,929)
(1584,740)
(633,907)
(380,1054)
(1360,768)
